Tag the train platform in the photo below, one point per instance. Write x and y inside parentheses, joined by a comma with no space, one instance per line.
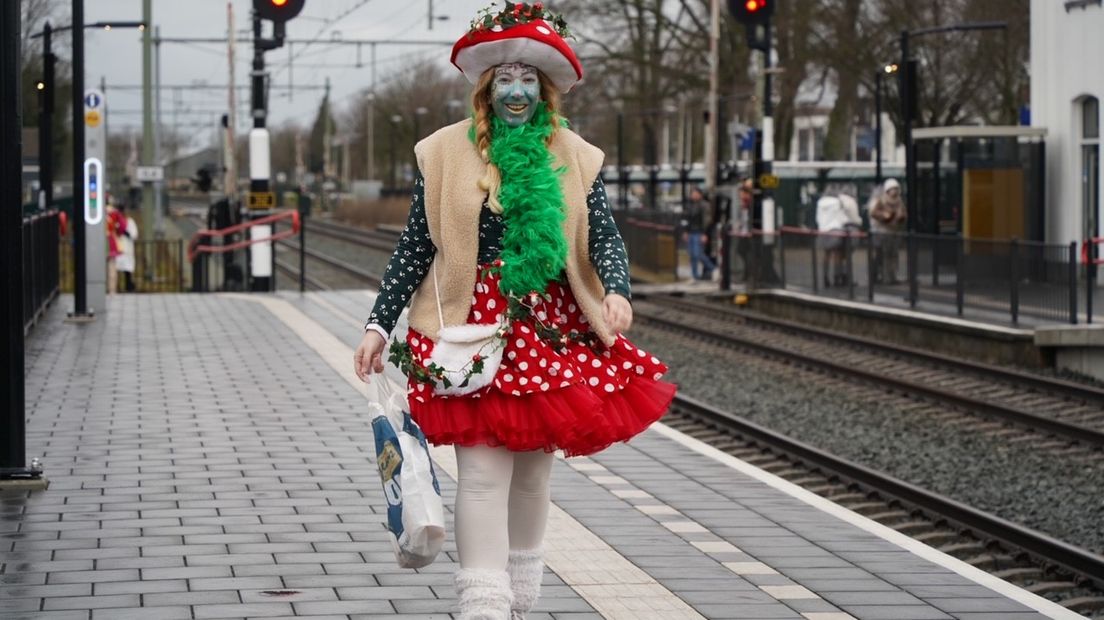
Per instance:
(210,456)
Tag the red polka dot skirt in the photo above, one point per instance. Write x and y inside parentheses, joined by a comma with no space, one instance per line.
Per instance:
(579,400)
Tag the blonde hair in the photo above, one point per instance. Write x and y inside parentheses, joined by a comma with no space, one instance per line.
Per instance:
(481,108)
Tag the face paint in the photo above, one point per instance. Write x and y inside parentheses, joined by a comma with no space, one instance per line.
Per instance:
(515,93)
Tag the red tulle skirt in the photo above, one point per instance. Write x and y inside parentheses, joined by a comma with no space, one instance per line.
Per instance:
(579,399)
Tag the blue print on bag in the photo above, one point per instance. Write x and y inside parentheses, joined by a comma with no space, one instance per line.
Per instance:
(389,460)
(410,427)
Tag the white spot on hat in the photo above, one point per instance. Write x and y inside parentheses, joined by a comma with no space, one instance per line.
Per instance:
(497,29)
(543,30)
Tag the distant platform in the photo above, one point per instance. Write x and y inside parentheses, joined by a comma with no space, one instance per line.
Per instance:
(211,456)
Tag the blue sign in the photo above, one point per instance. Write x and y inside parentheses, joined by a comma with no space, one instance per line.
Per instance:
(92,100)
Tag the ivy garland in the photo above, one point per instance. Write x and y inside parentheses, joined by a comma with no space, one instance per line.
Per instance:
(517,309)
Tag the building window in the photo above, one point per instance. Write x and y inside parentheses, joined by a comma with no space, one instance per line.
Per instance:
(1090,118)
(819,135)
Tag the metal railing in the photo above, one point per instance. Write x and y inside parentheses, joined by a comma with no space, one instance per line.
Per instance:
(40,264)
(996,281)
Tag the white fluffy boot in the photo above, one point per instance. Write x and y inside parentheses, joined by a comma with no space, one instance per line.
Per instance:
(526,568)
(484,594)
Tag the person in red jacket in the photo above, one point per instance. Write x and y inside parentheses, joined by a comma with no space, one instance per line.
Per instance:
(115,228)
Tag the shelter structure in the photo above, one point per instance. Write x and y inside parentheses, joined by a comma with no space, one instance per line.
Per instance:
(981,182)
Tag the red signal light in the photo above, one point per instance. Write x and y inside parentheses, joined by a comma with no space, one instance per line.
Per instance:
(751,11)
(278,10)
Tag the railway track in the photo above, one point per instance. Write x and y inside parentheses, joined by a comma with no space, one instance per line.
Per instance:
(1060,415)
(1069,575)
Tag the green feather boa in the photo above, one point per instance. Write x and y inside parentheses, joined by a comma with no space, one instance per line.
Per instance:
(534,250)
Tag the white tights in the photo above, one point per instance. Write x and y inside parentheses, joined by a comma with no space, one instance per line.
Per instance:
(502,500)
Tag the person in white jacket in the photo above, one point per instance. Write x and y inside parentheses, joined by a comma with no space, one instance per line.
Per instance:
(125,261)
(837,218)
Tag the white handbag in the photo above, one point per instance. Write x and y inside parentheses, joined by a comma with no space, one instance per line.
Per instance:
(455,349)
(415,512)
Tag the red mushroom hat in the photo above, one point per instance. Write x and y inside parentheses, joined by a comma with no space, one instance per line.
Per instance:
(519,33)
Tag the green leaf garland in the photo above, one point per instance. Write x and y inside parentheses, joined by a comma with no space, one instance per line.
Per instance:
(534,250)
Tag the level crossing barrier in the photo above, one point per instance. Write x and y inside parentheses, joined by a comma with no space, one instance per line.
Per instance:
(1003,281)
(41,232)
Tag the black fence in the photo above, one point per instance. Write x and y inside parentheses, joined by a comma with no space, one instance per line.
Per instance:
(652,244)
(40,264)
(986,280)
(158,267)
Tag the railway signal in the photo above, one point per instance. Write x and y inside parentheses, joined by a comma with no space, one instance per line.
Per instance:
(278,10)
(751,11)
(755,15)
(260,200)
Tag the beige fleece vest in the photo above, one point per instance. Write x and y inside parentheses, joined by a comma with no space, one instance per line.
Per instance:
(451,168)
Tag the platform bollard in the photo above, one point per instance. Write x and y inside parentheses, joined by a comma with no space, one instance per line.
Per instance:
(1072,278)
(816,277)
(850,267)
(1014,292)
(782,257)
(1090,284)
(914,287)
(871,268)
(960,276)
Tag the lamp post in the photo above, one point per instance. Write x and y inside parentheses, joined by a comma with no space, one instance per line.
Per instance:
(395,120)
(419,112)
(886,70)
(454,108)
(370,131)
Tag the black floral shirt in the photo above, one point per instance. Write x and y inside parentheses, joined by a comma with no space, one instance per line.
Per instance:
(413,255)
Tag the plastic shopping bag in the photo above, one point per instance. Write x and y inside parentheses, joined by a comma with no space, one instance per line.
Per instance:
(415,514)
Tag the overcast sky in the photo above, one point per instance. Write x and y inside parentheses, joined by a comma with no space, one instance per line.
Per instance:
(117,56)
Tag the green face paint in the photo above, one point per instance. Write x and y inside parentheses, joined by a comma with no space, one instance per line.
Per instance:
(515,93)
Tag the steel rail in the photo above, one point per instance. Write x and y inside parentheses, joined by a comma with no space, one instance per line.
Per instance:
(1026,419)
(1077,560)
(1061,387)
(369,238)
(336,263)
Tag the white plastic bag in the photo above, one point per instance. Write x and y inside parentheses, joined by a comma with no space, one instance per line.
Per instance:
(415,514)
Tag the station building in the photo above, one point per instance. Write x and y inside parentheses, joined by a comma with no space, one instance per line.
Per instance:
(1067,85)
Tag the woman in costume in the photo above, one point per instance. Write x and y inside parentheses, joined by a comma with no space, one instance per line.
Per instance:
(510,234)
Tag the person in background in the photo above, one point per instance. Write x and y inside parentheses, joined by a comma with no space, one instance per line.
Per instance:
(837,218)
(125,261)
(696,235)
(887,219)
(113,228)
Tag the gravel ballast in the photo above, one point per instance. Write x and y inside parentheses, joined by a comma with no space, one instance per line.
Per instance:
(1063,497)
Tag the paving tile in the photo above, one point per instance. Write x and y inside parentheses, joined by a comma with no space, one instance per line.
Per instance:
(92,602)
(265,512)
(242,610)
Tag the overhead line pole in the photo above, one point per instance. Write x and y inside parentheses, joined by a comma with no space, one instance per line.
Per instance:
(13,470)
